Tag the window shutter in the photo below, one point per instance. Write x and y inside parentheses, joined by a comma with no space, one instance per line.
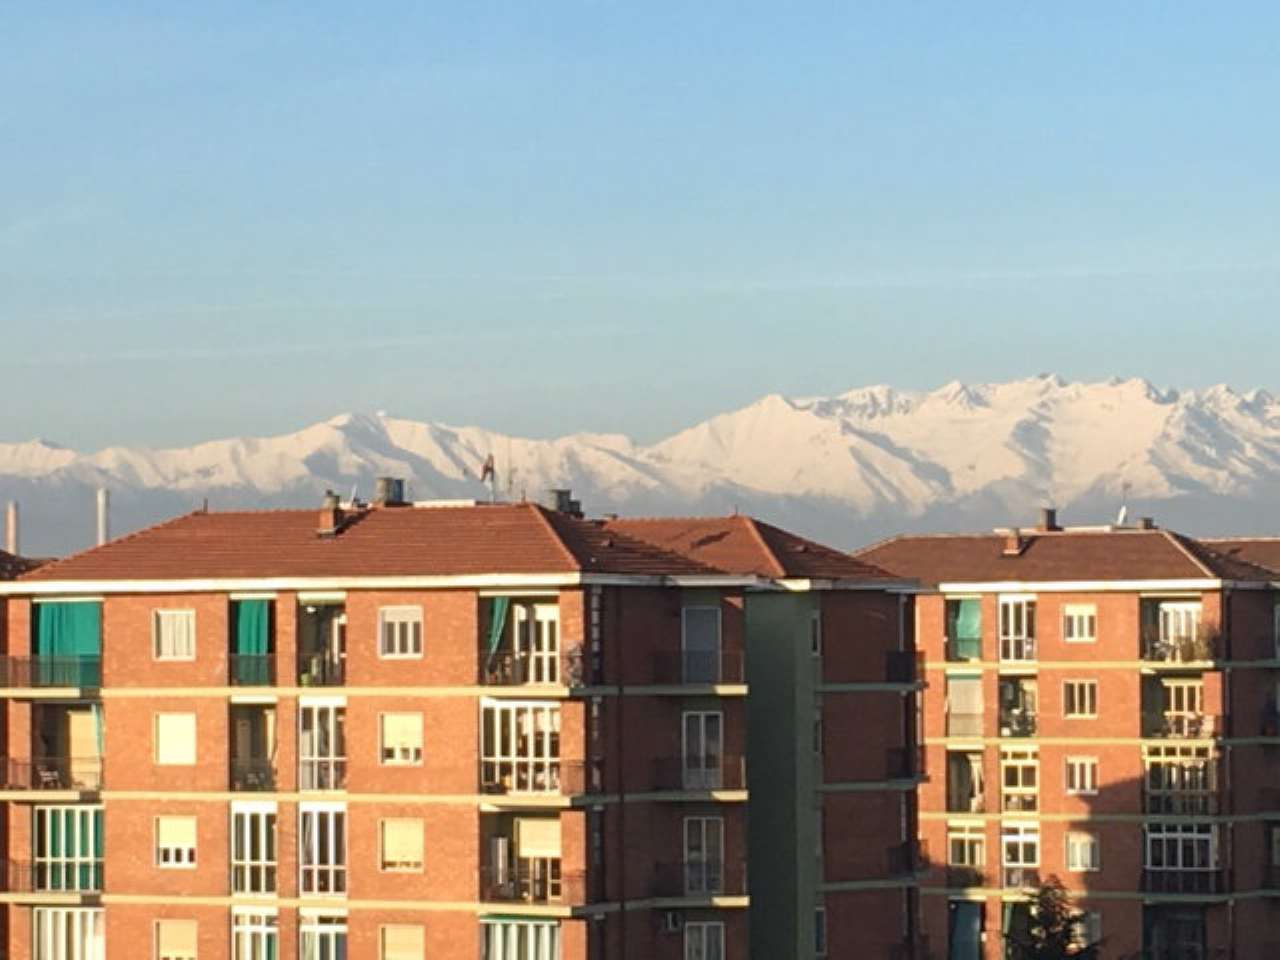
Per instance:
(538,838)
(402,943)
(401,842)
(402,730)
(176,738)
(177,832)
(176,938)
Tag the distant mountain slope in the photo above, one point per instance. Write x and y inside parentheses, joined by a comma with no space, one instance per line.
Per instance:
(845,469)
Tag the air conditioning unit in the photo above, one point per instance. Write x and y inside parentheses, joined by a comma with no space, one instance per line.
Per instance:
(672,921)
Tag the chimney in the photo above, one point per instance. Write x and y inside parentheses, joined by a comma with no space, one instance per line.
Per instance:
(388,492)
(560,499)
(1048,520)
(104,519)
(330,515)
(1146,523)
(1014,542)
(11,542)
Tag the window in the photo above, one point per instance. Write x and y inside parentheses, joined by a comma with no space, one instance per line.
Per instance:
(68,933)
(704,941)
(175,739)
(401,739)
(1019,780)
(519,747)
(322,936)
(1082,775)
(400,633)
(1087,929)
(401,846)
(1079,623)
(1020,853)
(254,935)
(964,628)
(1082,852)
(1180,846)
(703,855)
(253,848)
(1080,698)
(703,751)
(964,706)
(68,848)
(701,644)
(1183,708)
(175,841)
(1179,622)
(322,746)
(173,634)
(1179,780)
(519,940)
(1017,628)
(402,942)
(815,633)
(175,940)
(820,931)
(966,845)
(536,642)
(322,842)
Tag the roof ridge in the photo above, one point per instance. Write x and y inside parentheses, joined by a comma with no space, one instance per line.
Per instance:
(133,535)
(541,513)
(779,569)
(1176,540)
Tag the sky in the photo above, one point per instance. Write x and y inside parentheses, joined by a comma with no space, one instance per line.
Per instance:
(229,219)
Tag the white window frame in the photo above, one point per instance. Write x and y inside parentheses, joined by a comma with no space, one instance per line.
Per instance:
(1074,690)
(1179,620)
(1023,837)
(408,867)
(320,934)
(182,648)
(70,871)
(400,756)
(691,672)
(704,940)
(966,845)
(704,868)
(404,640)
(1083,852)
(535,641)
(255,933)
(520,746)
(1017,624)
(176,858)
(1080,623)
(519,939)
(322,861)
(68,933)
(158,721)
(1024,795)
(156,933)
(702,768)
(254,868)
(1182,705)
(1080,776)
(1179,779)
(1175,840)
(322,751)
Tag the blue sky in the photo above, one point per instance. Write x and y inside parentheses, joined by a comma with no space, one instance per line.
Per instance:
(620,216)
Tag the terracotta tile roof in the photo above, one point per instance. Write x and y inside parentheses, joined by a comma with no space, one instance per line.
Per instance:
(1258,554)
(1070,555)
(744,545)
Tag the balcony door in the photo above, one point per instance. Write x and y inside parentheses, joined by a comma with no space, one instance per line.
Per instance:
(537,641)
(703,750)
(703,855)
(322,747)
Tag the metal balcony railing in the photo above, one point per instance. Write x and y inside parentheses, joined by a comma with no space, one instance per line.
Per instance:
(1183,881)
(320,670)
(55,876)
(963,876)
(677,773)
(1021,878)
(903,666)
(43,671)
(257,773)
(54,773)
(539,881)
(699,667)
(252,670)
(700,878)
(1175,803)
(1177,726)
(1017,723)
(537,776)
(1187,649)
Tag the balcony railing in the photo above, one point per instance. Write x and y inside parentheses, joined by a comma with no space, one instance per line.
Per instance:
(1017,723)
(320,670)
(963,876)
(1020,802)
(538,776)
(252,670)
(964,724)
(327,773)
(904,763)
(674,773)
(1199,648)
(41,671)
(903,666)
(1190,803)
(538,881)
(1183,881)
(257,773)
(698,667)
(54,773)
(55,876)
(1176,726)
(1020,878)
(521,669)
(701,878)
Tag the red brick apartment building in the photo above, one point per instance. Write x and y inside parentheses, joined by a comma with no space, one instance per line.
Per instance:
(1100,704)
(496,731)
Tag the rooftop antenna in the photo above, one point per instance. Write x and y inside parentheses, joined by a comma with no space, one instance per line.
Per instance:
(1124,504)
(489,474)
(354,487)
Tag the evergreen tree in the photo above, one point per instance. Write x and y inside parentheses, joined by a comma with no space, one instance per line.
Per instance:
(1052,931)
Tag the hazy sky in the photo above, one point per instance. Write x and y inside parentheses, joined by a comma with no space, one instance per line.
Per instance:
(557,216)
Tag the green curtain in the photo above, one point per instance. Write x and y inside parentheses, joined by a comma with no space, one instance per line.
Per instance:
(964,628)
(68,643)
(498,610)
(251,626)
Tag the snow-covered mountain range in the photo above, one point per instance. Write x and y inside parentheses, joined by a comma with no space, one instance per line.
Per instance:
(846,469)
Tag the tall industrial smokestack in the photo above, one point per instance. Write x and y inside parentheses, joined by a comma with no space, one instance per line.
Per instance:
(11,541)
(104,506)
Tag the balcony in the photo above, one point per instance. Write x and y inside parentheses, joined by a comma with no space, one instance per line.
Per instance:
(904,763)
(1198,647)
(1177,726)
(524,669)
(257,774)
(673,773)
(532,881)
(965,787)
(252,670)
(700,667)
(965,877)
(55,876)
(47,671)
(532,776)
(1017,722)
(700,878)
(1200,882)
(903,666)
(1020,878)
(54,773)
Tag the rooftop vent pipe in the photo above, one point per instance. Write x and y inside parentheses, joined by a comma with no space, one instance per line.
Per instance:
(1048,519)
(560,499)
(11,542)
(104,519)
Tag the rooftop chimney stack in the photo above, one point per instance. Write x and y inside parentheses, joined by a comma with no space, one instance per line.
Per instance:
(560,499)
(1049,519)
(11,541)
(388,492)
(1146,523)
(104,519)
(1014,543)
(330,515)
